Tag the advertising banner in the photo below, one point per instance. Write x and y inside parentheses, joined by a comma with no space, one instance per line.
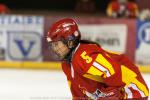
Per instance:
(2,45)
(21,37)
(143,42)
(111,37)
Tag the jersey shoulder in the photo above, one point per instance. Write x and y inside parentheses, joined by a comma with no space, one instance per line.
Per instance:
(86,49)
(84,56)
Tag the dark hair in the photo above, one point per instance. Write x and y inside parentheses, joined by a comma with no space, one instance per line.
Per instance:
(89,42)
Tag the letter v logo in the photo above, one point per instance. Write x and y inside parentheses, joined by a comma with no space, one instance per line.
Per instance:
(24,51)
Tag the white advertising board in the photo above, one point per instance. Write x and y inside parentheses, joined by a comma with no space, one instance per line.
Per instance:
(21,37)
(111,37)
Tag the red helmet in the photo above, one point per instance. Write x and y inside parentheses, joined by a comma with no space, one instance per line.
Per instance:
(65,28)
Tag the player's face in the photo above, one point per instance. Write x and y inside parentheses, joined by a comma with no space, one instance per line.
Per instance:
(59,48)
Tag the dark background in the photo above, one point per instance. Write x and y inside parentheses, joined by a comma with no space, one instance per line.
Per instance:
(62,5)
(67,5)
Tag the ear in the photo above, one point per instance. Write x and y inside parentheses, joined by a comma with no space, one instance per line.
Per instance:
(70,44)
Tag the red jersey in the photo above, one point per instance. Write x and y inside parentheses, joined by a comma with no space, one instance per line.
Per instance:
(95,73)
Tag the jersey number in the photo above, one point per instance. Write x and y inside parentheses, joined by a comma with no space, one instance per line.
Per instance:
(86,57)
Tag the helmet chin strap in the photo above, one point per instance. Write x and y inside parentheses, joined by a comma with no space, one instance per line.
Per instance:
(68,56)
(71,44)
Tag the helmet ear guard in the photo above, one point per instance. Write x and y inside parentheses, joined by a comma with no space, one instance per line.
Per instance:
(74,39)
(71,42)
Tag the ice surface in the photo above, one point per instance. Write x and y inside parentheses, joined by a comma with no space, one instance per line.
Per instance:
(33,85)
(18,84)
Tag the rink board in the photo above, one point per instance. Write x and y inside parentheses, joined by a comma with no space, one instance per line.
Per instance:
(31,65)
(48,65)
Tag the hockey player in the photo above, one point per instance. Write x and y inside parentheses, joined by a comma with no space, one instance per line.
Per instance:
(122,8)
(92,72)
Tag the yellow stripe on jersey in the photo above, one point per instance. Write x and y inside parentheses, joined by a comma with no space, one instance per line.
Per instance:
(69,83)
(93,77)
(103,69)
(101,60)
(128,77)
(112,52)
(94,71)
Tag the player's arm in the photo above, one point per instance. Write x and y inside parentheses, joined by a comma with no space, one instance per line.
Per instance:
(130,73)
(99,67)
